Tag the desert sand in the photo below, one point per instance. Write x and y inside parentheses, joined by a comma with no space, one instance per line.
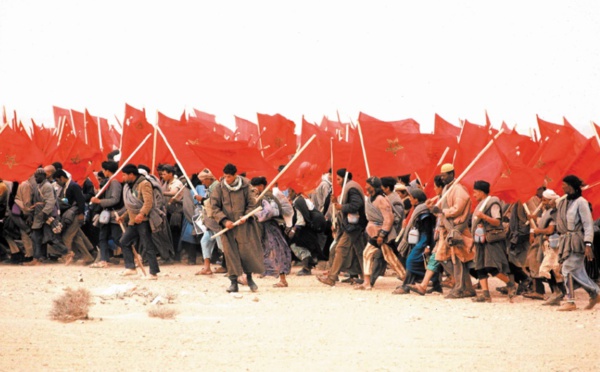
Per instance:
(307,326)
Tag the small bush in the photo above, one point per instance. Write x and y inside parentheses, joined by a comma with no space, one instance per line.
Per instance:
(162,312)
(74,304)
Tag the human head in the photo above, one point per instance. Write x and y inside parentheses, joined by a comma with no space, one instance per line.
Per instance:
(230,172)
(57,165)
(340,174)
(404,179)
(447,173)
(259,183)
(549,198)
(387,184)
(438,184)
(40,175)
(50,170)
(168,172)
(401,190)
(571,184)
(540,190)
(130,173)
(373,185)
(60,176)
(206,177)
(417,196)
(481,189)
(109,167)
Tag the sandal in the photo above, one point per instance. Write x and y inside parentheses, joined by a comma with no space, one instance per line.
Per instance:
(204,271)
(280,285)
(99,265)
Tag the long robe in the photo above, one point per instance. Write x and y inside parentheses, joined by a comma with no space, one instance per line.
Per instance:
(242,244)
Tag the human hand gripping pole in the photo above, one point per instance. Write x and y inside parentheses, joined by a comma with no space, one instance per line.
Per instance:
(238,222)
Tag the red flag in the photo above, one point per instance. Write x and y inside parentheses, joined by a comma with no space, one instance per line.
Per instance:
(577,136)
(306,171)
(349,155)
(473,139)
(216,128)
(79,159)
(586,166)
(548,129)
(92,129)
(400,126)
(336,129)
(390,151)
(277,138)
(135,129)
(245,130)
(180,134)
(442,127)
(19,156)
(78,121)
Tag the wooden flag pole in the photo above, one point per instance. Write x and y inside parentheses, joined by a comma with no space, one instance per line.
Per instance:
(464,173)
(292,160)
(122,165)
(238,222)
(595,132)
(152,170)
(362,144)
(333,219)
(100,134)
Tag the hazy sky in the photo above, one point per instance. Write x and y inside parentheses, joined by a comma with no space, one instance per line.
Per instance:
(389,59)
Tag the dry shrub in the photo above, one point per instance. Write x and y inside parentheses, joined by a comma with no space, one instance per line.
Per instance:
(72,305)
(162,312)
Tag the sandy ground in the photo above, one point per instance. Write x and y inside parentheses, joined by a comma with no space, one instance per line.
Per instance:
(305,326)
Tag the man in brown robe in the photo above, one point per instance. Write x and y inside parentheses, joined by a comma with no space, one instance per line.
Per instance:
(230,201)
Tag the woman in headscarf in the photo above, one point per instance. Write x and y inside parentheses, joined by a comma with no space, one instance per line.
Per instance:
(418,235)
(277,253)
(576,228)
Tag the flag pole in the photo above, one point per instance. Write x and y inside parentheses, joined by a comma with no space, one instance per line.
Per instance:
(100,134)
(122,165)
(176,159)
(362,144)
(85,137)
(238,222)
(333,219)
(154,146)
(292,160)
(464,173)
(595,132)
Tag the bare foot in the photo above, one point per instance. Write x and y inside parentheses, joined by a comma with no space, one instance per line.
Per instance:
(280,285)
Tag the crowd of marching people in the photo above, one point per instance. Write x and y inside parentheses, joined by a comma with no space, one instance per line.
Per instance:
(543,248)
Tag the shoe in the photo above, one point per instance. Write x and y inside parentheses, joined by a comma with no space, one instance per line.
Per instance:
(453,295)
(448,283)
(149,277)
(33,262)
(128,272)
(593,301)
(434,289)
(252,285)
(503,290)
(349,280)
(304,272)
(553,300)
(417,289)
(534,295)
(326,280)
(567,306)
(467,294)
(481,299)
(234,285)
(400,290)
(512,291)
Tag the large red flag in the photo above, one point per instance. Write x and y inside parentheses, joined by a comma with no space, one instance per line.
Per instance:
(79,159)
(277,138)
(179,136)
(135,129)
(336,129)
(349,155)
(473,139)
(577,136)
(306,171)
(400,126)
(92,129)
(19,156)
(587,167)
(79,125)
(442,127)
(218,129)
(548,129)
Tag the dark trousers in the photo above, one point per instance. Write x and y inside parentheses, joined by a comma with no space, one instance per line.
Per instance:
(142,233)
(107,231)
(37,236)
(349,243)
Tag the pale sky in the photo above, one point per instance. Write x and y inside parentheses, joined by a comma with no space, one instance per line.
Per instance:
(389,59)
